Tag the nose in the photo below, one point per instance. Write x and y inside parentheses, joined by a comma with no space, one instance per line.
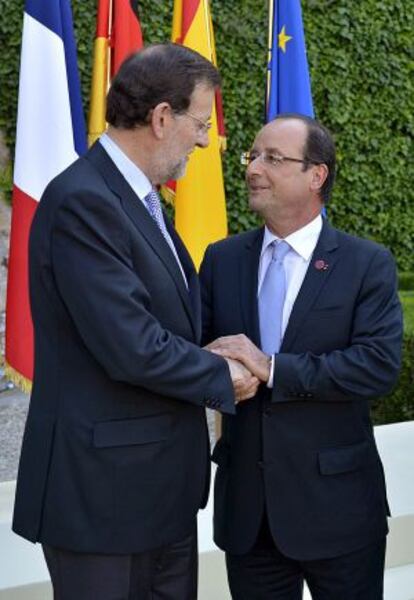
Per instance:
(255,165)
(203,139)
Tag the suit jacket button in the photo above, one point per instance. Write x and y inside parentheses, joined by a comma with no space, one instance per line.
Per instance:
(261,464)
(267,412)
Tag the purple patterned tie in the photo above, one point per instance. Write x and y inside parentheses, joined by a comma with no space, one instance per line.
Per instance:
(153,202)
(272,298)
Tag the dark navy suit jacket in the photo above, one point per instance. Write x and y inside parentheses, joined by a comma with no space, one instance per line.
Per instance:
(115,455)
(305,450)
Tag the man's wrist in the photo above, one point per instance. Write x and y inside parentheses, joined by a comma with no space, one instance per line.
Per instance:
(269,383)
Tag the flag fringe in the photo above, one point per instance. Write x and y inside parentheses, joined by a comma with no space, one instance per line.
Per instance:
(168,194)
(222,143)
(18,379)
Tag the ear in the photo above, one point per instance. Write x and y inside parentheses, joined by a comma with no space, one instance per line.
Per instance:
(319,175)
(160,120)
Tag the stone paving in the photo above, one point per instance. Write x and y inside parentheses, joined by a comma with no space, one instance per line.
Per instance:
(13,403)
(13,411)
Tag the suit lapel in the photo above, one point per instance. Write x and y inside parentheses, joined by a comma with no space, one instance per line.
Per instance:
(249,267)
(192,296)
(321,266)
(142,220)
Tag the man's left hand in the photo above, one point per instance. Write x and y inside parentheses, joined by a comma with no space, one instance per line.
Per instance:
(239,347)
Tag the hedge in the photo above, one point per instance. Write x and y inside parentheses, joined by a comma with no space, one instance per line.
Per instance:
(361,60)
(406,280)
(399,405)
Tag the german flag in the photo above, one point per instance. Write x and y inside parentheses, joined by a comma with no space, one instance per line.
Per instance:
(200,206)
(118,34)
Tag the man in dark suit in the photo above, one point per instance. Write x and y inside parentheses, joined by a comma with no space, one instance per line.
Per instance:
(115,457)
(314,313)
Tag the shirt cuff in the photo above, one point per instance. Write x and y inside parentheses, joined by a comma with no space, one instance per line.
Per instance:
(269,383)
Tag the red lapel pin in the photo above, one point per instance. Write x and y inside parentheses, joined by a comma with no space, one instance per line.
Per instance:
(321,265)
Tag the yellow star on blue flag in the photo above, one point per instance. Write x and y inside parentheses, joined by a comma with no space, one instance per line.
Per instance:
(283,38)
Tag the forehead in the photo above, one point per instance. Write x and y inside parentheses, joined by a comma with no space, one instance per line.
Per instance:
(201,99)
(285,135)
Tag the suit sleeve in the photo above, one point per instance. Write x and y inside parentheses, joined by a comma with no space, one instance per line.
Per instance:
(111,309)
(368,366)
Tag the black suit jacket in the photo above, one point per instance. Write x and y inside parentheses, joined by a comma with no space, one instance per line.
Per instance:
(115,453)
(305,450)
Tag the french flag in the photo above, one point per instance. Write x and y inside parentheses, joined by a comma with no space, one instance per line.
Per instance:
(50,136)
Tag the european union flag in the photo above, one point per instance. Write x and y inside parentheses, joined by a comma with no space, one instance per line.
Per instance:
(288,84)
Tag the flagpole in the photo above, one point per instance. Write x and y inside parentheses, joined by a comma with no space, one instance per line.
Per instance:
(270,44)
(207,15)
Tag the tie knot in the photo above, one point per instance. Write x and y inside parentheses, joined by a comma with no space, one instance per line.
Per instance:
(280,249)
(152,200)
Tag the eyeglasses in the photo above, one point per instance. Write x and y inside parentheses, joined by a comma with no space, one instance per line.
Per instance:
(203,126)
(271,159)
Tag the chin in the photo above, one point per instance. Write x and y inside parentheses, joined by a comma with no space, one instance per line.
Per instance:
(181,173)
(255,204)
(178,171)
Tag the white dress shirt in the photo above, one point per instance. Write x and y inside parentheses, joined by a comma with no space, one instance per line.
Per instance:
(137,180)
(302,245)
(132,173)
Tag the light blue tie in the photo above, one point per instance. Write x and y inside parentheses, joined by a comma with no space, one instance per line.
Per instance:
(153,202)
(272,298)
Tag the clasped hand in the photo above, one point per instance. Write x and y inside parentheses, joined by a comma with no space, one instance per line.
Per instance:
(248,365)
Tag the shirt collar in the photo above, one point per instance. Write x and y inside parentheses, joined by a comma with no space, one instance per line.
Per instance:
(302,241)
(132,173)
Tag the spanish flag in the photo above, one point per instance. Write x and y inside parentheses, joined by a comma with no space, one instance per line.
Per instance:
(118,34)
(200,207)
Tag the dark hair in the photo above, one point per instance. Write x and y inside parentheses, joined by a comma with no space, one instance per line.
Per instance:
(158,73)
(319,148)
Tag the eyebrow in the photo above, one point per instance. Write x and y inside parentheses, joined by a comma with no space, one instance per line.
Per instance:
(274,150)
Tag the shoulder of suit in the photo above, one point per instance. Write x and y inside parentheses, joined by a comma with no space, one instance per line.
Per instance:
(80,190)
(72,175)
(87,164)
(81,177)
(237,241)
(358,244)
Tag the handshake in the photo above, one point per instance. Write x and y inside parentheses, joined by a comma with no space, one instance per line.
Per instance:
(248,365)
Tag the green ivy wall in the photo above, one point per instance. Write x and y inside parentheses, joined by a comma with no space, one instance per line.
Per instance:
(361,59)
